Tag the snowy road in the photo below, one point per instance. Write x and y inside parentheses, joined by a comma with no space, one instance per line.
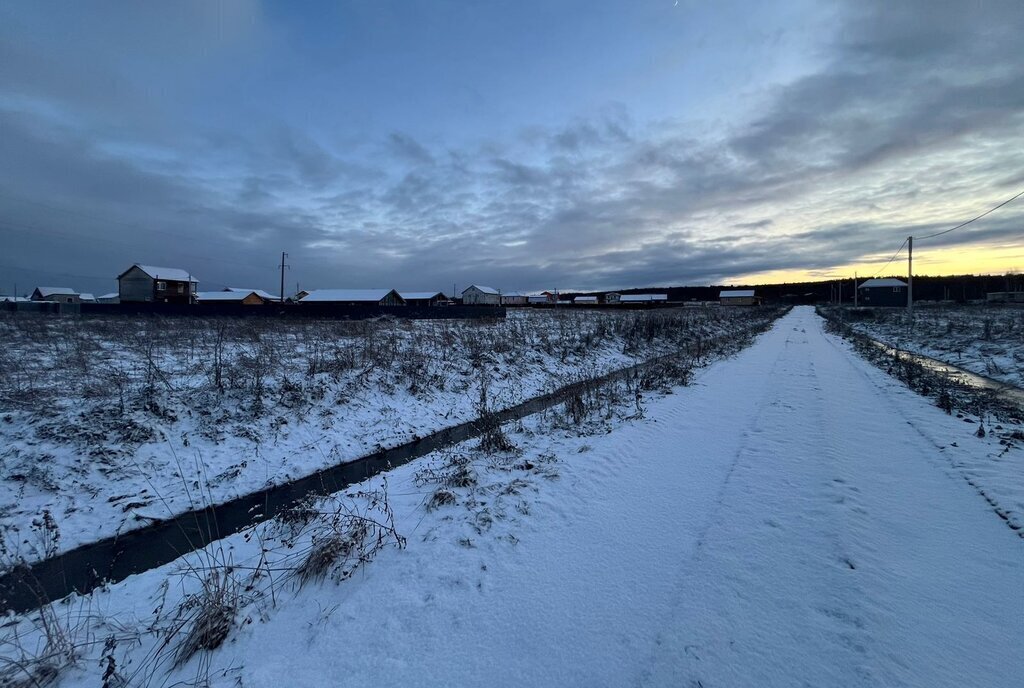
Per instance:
(789,520)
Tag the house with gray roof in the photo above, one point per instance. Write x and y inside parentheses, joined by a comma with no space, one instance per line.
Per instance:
(56,295)
(354,297)
(479,295)
(514,298)
(424,298)
(737,297)
(887,292)
(152,284)
(250,297)
(643,298)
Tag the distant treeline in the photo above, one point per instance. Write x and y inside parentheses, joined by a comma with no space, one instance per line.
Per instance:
(955,288)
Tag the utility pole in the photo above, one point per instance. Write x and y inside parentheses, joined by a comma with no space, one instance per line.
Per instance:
(910,276)
(854,289)
(283,266)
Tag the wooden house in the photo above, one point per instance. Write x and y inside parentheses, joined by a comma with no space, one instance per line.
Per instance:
(479,295)
(424,298)
(354,297)
(56,295)
(737,297)
(882,292)
(643,298)
(514,298)
(148,283)
(266,296)
(249,297)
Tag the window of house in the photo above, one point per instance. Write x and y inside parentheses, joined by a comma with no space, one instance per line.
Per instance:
(161,285)
(897,289)
(181,288)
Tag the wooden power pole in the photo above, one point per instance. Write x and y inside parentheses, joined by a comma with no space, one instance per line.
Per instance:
(283,266)
(910,276)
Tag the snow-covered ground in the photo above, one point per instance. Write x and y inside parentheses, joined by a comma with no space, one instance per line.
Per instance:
(988,340)
(794,517)
(107,424)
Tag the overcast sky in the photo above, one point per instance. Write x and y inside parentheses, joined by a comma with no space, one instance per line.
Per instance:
(523,145)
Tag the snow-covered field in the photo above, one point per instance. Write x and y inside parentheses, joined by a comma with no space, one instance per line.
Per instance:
(793,517)
(988,340)
(106,424)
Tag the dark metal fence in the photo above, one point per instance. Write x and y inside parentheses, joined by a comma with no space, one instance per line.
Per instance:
(322,311)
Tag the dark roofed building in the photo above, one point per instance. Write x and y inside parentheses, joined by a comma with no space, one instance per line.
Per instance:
(424,298)
(737,297)
(888,292)
(148,283)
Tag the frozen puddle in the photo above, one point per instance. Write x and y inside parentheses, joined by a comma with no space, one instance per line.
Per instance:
(1002,391)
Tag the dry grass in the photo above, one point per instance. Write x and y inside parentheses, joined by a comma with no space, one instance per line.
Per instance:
(122,364)
(440,498)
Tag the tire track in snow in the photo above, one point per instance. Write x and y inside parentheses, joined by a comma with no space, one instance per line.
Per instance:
(610,587)
(803,578)
(859,616)
(755,460)
(886,386)
(923,532)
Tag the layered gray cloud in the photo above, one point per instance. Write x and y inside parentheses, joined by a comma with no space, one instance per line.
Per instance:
(910,120)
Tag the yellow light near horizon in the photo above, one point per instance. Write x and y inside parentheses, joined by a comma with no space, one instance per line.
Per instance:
(968,259)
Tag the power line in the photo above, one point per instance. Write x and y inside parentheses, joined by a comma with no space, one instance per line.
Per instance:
(947,231)
(893,258)
(964,224)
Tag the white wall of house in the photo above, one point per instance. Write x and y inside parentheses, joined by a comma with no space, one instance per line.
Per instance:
(474,296)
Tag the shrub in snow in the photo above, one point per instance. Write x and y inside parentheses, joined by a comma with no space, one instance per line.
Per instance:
(104,403)
(441,497)
(206,617)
